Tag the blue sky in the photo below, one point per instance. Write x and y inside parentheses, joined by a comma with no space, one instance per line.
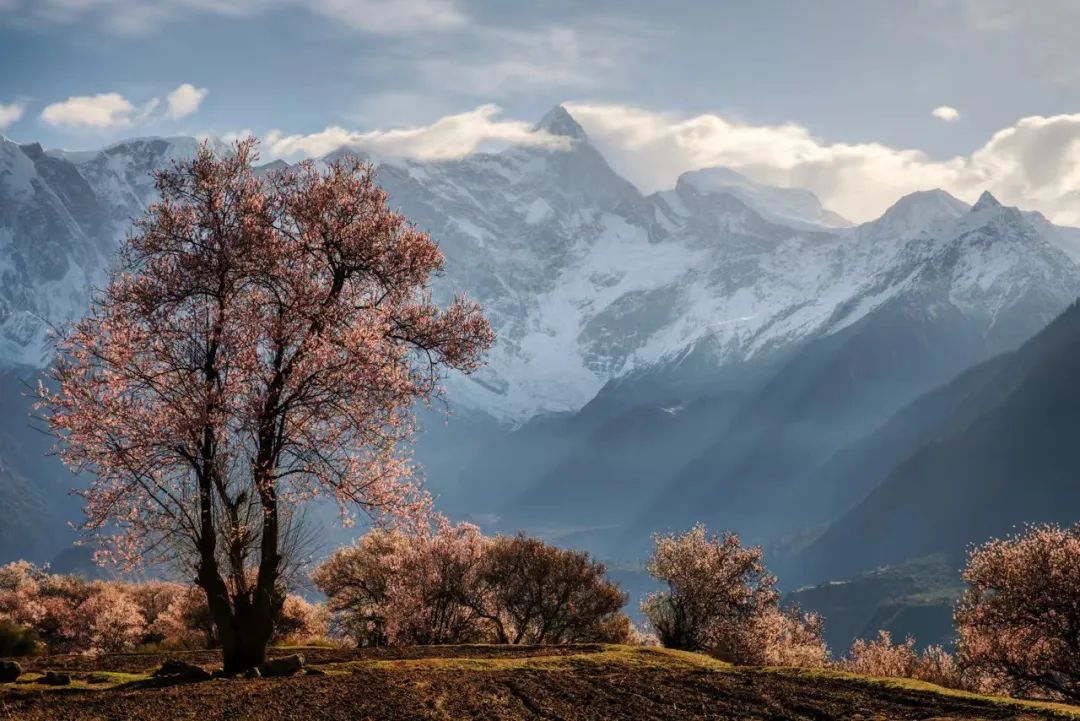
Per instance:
(865,74)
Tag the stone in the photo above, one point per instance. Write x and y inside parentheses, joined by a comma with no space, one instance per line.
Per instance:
(284,666)
(53,678)
(9,671)
(172,668)
(314,672)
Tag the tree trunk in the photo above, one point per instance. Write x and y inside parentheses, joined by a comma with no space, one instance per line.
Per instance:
(244,628)
(245,649)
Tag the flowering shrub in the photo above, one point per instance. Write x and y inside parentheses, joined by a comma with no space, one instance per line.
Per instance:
(302,622)
(108,620)
(71,614)
(936,665)
(720,599)
(1017,622)
(881,657)
(451,584)
(788,637)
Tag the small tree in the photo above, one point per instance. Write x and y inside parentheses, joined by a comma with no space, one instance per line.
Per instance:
(451,584)
(302,622)
(108,620)
(1019,620)
(718,591)
(357,581)
(396,588)
(534,592)
(262,343)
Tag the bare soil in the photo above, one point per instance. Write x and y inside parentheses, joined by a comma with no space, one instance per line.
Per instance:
(450,683)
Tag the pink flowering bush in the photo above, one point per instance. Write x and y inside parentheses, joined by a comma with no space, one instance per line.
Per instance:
(882,657)
(108,620)
(451,584)
(720,599)
(70,614)
(1019,620)
(302,622)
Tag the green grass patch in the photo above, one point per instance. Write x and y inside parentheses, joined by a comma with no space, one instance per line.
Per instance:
(80,681)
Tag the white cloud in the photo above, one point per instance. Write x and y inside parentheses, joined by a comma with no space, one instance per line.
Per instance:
(498,62)
(184,100)
(106,110)
(109,111)
(10,113)
(1035,163)
(452,136)
(946,112)
(140,17)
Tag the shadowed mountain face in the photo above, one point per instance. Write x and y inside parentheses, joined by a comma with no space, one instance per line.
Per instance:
(991,450)
(35,505)
(704,353)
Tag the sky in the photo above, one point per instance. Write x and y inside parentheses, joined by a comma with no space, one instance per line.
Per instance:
(859,101)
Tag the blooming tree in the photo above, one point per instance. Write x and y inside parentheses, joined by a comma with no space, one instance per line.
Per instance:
(533,592)
(1019,619)
(108,620)
(717,592)
(451,584)
(262,344)
(402,589)
(301,621)
(359,583)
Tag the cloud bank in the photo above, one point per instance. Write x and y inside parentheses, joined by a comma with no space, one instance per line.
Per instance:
(453,136)
(1035,163)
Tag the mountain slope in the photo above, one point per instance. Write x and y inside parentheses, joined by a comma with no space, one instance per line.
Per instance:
(1002,454)
(961,285)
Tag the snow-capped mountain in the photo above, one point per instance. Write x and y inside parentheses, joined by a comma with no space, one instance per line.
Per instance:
(597,291)
(584,278)
(62,215)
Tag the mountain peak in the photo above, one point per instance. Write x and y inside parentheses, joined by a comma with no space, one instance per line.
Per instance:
(779,205)
(921,209)
(986,200)
(558,121)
